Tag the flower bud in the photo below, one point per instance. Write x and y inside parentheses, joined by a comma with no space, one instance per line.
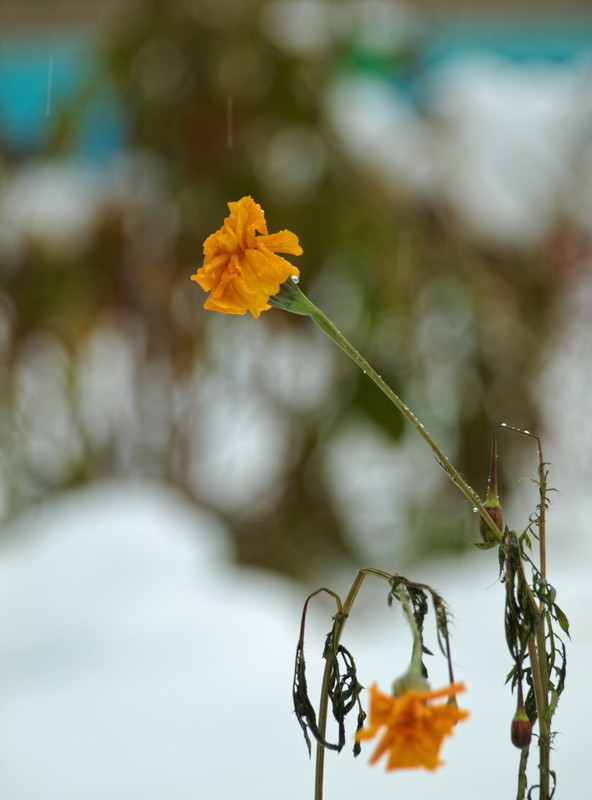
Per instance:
(495,512)
(521,732)
(492,502)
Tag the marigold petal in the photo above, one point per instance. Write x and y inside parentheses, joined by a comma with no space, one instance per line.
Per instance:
(235,294)
(446,691)
(281,242)
(380,705)
(264,267)
(212,272)
(246,217)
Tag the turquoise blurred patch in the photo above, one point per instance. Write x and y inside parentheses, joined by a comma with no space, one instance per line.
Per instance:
(42,75)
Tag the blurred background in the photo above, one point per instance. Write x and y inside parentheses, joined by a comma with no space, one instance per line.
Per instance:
(435,160)
(436,167)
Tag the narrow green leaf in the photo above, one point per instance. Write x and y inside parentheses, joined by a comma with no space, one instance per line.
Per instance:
(561,618)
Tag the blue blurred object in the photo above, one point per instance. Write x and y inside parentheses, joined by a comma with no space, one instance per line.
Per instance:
(426,47)
(44,74)
(543,39)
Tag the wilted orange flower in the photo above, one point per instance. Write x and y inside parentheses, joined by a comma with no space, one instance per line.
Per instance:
(240,269)
(410,726)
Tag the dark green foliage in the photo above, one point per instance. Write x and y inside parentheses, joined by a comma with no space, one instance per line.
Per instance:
(343,690)
(533,626)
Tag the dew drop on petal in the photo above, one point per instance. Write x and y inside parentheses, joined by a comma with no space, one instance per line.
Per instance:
(295,278)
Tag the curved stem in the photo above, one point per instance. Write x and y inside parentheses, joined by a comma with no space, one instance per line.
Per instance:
(417,652)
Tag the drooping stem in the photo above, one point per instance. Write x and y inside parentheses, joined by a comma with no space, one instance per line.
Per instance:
(417,652)
(340,621)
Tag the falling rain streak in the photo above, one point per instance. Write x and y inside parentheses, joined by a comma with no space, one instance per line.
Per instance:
(229,123)
(49,86)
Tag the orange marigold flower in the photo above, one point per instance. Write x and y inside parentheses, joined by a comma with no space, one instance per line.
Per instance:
(240,269)
(410,727)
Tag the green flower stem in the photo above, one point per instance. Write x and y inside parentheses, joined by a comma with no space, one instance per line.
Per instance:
(538,671)
(291,298)
(522,778)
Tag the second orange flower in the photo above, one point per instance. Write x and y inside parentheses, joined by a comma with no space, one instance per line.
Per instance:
(410,727)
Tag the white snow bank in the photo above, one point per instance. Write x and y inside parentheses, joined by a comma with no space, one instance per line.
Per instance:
(137,664)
